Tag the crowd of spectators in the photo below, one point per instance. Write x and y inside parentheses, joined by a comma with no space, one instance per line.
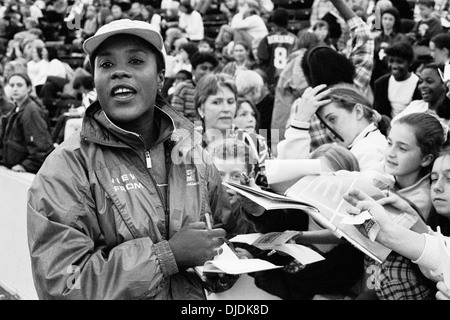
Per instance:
(392,54)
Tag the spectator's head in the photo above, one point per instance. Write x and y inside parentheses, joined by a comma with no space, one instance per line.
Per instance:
(348,113)
(391,20)
(249,7)
(183,75)
(426,8)
(205,46)
(280,17)
(338,68)
(422,135)
(189,48)
(400,57)
(250,84)
(334,157)
(241,51)
(440,48)
(202,64)
(116,11)
(322,30)
(306,39)
(433,89)
(232,157)
(21,87)
(186,6)
(52,53)
(247,116)
(215,101)
(84,83)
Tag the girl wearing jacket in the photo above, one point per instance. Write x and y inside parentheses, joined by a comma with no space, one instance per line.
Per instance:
(25,138)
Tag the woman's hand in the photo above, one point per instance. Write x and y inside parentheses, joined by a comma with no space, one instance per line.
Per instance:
(311,100)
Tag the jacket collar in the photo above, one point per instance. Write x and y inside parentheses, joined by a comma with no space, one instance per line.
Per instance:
(172,126)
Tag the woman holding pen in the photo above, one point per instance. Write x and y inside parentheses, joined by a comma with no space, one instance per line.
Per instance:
(423,247)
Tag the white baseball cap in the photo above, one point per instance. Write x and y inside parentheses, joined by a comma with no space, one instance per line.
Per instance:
(138,28)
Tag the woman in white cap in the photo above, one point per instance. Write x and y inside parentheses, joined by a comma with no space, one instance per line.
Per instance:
(118,210)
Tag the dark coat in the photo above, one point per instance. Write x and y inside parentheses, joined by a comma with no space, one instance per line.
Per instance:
(25,137)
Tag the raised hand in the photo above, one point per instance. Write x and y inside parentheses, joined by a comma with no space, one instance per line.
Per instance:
(311,100)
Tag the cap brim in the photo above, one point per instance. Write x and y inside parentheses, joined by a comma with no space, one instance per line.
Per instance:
(91,44)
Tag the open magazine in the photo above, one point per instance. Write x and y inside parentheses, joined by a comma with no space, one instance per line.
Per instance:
(321,197)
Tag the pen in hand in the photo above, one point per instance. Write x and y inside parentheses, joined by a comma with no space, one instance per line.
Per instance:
(208,221)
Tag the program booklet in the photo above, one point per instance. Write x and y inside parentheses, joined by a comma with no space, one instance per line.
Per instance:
(321,197)
(277,241)
(229,263)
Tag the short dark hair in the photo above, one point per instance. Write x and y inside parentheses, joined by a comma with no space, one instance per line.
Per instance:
(428,3)
(338,68)
(441,41)
(86,81)
(201,57)
(280,17)
(402,50)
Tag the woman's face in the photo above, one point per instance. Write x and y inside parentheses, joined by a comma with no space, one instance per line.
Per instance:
(399,67)
(19,88)
(403,155)
(245,117)
(321,33)
(431,86)
(388,21)
(219,109)
(239,53)
(342,121)
(440,185)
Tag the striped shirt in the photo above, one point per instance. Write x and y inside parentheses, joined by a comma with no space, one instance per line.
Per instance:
(183,100)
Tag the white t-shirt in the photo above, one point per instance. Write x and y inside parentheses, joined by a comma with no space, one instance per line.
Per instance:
(400,93)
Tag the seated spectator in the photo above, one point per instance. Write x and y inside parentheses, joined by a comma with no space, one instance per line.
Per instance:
(440,48)
(393,92)
(251,86)
(190,22)
(38,67)
(434,100)
(247,116)
(26,142)
(391,32)
(241,60)
(183,97)
(180,77)
(246,25)
(425,28)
